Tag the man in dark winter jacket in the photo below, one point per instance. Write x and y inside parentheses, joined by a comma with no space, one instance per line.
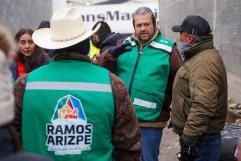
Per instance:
(199,98)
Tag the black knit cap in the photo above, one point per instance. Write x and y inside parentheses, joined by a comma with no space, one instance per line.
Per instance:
(103,31)
(194,25)
(44,24)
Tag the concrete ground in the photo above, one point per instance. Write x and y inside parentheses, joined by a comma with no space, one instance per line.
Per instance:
(169,146)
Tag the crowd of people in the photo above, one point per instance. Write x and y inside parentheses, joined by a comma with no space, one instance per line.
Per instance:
(88,95)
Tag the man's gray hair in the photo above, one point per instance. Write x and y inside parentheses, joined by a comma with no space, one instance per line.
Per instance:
(144,10)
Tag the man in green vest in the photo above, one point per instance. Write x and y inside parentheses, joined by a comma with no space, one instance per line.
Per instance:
(147,62)
(71,109)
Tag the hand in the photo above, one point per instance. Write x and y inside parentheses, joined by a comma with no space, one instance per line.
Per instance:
(120,49)
(187,153)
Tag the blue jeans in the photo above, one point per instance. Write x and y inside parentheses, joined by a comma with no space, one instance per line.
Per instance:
(210,148)
(151,139)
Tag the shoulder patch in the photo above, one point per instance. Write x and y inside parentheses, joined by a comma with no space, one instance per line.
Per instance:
(161,46)
(130,40)
(164,41)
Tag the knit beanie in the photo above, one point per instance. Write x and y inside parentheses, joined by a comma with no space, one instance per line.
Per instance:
(103,32)
(44,24)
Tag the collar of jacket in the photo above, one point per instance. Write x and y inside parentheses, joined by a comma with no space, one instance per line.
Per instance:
(206,43)
(71,56)
(158,32)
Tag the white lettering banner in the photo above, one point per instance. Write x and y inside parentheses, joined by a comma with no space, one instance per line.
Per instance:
(118,16)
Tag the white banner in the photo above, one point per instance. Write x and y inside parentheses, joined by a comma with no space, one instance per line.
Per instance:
(118,16)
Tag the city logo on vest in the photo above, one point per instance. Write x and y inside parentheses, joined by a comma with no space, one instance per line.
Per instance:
(69,132)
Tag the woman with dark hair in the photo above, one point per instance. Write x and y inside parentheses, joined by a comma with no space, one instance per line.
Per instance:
(28,56)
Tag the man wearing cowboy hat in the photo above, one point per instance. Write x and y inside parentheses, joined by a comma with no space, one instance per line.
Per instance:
(71,109)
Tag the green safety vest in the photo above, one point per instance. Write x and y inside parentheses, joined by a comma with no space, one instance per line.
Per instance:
(68,112)
(150,78)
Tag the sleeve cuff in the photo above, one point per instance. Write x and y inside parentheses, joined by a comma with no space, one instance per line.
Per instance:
(190,140)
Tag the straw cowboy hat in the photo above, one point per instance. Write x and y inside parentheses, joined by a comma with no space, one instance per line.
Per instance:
(66,29)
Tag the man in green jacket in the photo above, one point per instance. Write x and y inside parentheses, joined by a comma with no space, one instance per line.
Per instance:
(71,109)
(199,98)
(147,62)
